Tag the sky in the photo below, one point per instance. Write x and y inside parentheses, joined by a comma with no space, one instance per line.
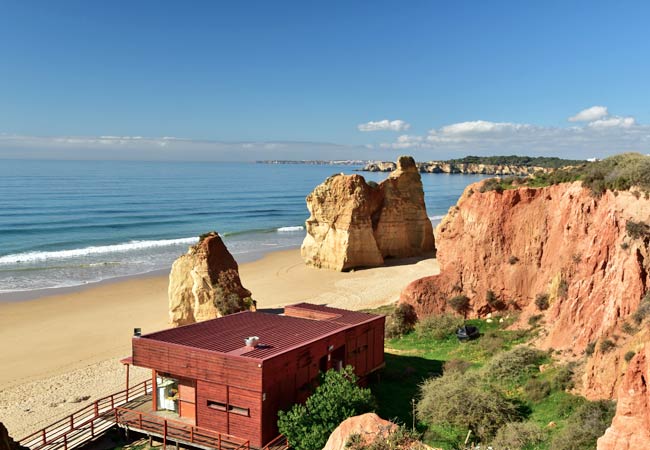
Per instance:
(249,80)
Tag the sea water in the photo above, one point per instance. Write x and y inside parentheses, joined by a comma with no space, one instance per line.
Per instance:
(68,223)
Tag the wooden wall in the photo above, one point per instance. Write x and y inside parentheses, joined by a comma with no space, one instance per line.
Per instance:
(282,381)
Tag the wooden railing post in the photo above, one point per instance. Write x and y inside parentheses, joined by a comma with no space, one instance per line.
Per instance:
(72,421)
(96,409)
(219,441)
(140,422)
(92,428)
(65,441)
(44,440)
(192,434)
(164,433)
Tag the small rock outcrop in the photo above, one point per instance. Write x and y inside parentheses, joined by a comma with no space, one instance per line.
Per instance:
(6,442)
(630,428)
(368,426)
(357,224)
(204,284)
(460,168)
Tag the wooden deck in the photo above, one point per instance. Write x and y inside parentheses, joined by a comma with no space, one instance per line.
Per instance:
(137,415)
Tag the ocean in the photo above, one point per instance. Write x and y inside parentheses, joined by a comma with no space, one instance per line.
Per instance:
(70,223)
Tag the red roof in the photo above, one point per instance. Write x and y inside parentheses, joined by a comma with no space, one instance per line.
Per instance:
(302,323)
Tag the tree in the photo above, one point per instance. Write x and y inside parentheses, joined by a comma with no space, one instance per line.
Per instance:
(338,397)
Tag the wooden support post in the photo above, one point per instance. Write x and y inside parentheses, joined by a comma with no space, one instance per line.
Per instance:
(96,409)
(127,381)
(219,448)
(164,435)
(92,428)
(65,442)
(72,421)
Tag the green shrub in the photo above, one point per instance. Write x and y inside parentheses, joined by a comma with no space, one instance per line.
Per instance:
(457,399)
(628,328)
(518,436)
(563,288)
(642,311)
(491,184)
(589,349)
(563,378)
(372,184)
(513,260)
(401,321)
(625,245)
(491,342)
(637,230)
(456,365)
(587,423)
(541,301)
(308,426)
(460,303)
(494,301)
(513,364)
(629,355)
(533,321)
(607,345)
(401,438)
(537,390)
(438,326)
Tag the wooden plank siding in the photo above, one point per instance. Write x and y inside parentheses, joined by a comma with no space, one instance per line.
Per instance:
(249,392)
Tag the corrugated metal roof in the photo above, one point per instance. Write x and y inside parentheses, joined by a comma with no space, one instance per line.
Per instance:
(277,333)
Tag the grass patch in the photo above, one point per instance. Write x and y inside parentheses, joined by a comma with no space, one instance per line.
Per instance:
(531,399)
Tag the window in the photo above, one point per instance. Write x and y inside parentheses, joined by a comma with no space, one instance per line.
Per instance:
(220,406)
(216,405)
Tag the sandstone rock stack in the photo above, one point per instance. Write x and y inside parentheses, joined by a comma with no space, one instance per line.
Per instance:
(204,284)
(356,224)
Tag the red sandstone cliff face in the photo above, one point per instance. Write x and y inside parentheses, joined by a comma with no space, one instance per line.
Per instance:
(630,428)
(560,241)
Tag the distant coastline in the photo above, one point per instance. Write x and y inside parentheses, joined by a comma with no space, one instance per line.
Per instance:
(316,162)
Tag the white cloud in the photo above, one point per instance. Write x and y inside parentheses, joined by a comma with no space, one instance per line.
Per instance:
(600,137)
(613,121)
(384,125)
(590,114)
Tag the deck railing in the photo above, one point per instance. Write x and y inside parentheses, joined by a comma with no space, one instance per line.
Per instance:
(85,424)
(177,431)
(279,443)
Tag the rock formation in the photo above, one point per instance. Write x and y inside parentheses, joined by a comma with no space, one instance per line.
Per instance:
(204,284)
(368,426)
(356,224)
(561,241)
(630,428)
(6,442)
(465,168)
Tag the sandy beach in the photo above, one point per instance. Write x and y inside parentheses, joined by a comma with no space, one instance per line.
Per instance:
(59,349)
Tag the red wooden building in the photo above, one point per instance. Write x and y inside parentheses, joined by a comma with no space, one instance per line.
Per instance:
(206,375)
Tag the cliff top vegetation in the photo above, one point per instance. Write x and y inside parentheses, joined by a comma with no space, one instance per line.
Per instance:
(616,173)
(515,160)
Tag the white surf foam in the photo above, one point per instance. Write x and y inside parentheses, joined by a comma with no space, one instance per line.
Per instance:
(284,229)
(436,217)
(29,257)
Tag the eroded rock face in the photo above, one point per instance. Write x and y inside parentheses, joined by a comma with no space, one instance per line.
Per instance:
(369,426)
(561,241)
(6,442)
(630,428)
(204,284)
(354,224)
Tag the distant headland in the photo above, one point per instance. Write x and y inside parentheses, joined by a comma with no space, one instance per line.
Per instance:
(488,165)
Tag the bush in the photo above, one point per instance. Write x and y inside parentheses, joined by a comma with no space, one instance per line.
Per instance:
(625,245)
(629,355)
(607,345)
(513,260)
(589,349)
(514,363)
(438,326)
(642,311)
(541,301)
(492,342)
(563,378)
(533,321)
(401,321)
(460,303)
(518,435)
(627,328)
(494,301)
(537,390)
(308,426)
(456,365)
(492,184)
(637,230)
(587,423)
(460,400)
(563,288)
(399,439)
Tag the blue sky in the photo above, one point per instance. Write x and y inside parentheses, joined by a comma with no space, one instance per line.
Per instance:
(247,80)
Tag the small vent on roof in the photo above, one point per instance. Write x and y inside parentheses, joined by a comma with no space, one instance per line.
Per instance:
(251,341)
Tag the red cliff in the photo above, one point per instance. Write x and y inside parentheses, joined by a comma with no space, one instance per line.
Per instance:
(561,242)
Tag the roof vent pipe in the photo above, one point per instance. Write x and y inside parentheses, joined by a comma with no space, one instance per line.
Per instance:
(251,341)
